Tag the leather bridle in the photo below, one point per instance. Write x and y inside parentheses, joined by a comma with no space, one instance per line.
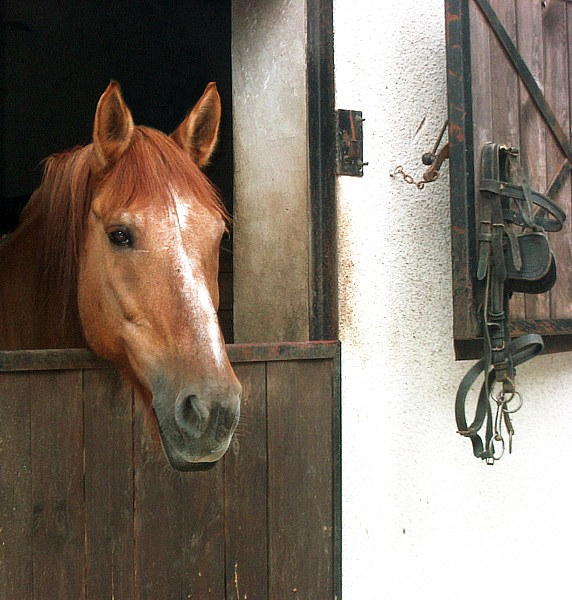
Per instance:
(513,255)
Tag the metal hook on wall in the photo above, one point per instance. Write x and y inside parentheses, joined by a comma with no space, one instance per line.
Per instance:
(433,159)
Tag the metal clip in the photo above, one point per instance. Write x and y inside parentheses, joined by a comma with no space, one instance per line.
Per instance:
(502,415)
(435,158)
(509,429)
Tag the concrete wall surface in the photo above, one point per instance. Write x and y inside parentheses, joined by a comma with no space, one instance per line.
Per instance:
(423,518)
(270,168)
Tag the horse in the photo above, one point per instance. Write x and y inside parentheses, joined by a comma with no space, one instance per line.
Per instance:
(118,250)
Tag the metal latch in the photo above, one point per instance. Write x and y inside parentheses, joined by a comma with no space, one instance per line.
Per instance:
(349,159)
(434,160)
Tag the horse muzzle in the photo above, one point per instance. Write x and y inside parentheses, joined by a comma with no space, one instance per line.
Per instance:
(196,428)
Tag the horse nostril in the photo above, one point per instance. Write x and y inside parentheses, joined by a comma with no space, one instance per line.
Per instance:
(191,416)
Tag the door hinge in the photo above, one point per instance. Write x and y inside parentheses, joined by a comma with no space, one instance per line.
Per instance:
(349,146)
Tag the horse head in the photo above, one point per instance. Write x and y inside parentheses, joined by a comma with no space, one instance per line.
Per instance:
(147,284)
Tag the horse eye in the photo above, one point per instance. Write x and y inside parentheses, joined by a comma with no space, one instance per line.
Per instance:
(120,237)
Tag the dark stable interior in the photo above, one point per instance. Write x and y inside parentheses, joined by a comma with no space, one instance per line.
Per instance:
(57,59)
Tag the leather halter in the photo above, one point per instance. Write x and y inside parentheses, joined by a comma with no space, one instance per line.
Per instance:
(507,261)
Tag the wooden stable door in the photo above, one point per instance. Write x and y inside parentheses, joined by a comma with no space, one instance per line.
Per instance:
(90,509)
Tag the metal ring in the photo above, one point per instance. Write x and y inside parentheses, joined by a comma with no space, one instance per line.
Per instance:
(491,447)
(520,401)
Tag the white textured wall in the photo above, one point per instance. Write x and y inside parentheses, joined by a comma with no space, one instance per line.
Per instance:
(423,518)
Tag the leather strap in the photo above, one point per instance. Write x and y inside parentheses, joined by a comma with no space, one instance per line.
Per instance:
(520,349)
(510,190)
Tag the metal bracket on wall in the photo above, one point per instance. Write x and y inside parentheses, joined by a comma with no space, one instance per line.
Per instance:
(349,142)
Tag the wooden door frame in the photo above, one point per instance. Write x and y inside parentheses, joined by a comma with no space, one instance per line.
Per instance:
(285,285)
(322,179)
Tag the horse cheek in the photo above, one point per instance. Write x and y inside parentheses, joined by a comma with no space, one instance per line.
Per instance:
(98,330)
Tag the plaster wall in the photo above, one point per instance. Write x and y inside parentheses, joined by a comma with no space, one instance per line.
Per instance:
(271,163)
(421,516)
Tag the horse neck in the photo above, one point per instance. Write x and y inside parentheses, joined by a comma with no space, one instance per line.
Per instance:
(28,319)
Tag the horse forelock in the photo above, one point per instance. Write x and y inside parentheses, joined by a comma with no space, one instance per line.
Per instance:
(152,167)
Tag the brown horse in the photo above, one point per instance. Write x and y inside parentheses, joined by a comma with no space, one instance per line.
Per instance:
(118,249)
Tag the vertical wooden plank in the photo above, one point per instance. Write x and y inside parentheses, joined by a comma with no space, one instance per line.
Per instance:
(202,534)
(557,92)
(532,128)
(57,484)
(246,490)
(321,170)
(481,76)
(16,575)
(336,491)
(461,168)
(108,486)
(481,86)
(505,95)
(300,480)
(178,524)
(505,101)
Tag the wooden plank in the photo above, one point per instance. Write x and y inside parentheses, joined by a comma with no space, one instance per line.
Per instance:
(173,544)
(550,72)
(482,94)
(336,489)
(82,358)
(300,480)
(57,484)
(461,167)
(505,101)
(324,313)
(557,92)
(532,127)
(178,525)
(108,486)
(50,360)
(246,490)
(482,87)
(504,97)
(16,574)
(239,353)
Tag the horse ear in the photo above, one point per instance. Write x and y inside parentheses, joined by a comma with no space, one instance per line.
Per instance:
(198,133)
(113,126)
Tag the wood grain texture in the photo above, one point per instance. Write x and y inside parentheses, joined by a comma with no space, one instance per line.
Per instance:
(557,92)
(58,508)
(178,525)
(505,100)
(300,480)
(532,128)
(91,509)
(16,567)
(246,490)
(108,485)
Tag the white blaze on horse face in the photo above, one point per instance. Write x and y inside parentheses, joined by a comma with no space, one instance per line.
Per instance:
(182,209)
(194,286)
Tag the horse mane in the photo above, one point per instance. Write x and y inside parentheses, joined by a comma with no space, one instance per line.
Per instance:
(151,167)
